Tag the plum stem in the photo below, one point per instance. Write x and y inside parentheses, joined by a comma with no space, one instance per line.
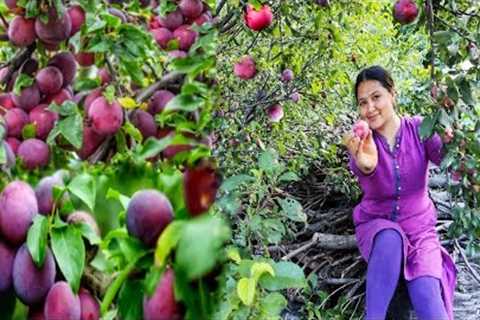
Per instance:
(117,283)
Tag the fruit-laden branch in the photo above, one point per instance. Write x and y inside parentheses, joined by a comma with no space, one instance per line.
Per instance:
(457,31)
(169,78)
(460,12)
(16,62)
(431,31)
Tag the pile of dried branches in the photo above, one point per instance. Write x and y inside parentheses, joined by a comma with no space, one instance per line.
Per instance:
(327,248)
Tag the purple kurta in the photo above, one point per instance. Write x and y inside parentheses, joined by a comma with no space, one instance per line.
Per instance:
(395,195)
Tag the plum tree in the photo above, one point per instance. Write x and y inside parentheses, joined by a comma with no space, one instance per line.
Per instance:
(106,117)
(62,303)
(90,309)
(34,153)
(18,206)
(7,255)
(148,213)
(31,283)
(21,31)
(162,305)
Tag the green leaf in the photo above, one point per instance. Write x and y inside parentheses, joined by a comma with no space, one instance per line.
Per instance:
(268,160)
(114,194)
(293,210)
(83,186)
(130,300)
(168,241)
(29,131)
(246,290)
(428,123)
(443,37)
(185,102)
(37,239)
(199,248)
(273,304)
(69,251)
(259,268)
(153,146)
(234,182)
(289,176)
(287,275)
(22,81)
(87,232)
(3,155)
(72,129)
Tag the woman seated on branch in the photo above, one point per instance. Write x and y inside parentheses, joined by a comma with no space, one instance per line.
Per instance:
(395,220)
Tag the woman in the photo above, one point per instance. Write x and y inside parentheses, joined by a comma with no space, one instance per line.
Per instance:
(395,221)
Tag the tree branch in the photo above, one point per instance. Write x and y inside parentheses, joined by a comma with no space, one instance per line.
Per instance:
(162,83)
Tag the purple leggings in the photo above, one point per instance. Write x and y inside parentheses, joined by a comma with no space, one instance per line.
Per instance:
(383,273)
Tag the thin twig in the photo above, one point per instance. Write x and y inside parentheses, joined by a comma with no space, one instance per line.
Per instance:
(464,257)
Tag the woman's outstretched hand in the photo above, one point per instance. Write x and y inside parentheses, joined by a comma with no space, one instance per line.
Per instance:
(363,151)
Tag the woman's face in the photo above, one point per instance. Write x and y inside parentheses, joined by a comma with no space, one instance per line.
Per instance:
(376,103)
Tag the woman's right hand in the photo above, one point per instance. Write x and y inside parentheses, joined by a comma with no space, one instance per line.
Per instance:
(364,152)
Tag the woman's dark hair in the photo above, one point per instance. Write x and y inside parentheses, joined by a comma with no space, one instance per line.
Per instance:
(375,73)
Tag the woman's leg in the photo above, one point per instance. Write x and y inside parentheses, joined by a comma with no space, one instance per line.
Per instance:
(383,272)
(426,297)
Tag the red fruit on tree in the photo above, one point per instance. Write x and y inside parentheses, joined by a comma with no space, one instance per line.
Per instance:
(85,59)
(56,29)
(258,20)
(191,8)
(360,129)
(186,37)
(245,69)
(172,20)
(200,188)
(21,31)
(77,16)
(106,117)
(148,214)
(162,305)
(405,11)
(34,153)
(49,80)
(162,36)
